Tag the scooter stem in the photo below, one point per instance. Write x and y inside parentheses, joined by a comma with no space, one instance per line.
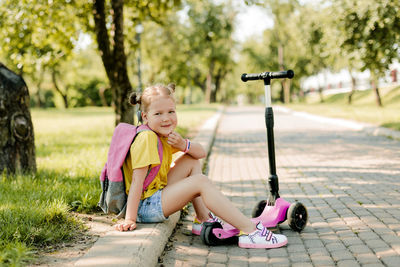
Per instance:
(269,122)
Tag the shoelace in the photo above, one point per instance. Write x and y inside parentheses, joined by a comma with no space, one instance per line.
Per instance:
(267,233)
(264,232)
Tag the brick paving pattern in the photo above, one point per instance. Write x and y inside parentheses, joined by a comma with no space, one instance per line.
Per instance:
(349,182)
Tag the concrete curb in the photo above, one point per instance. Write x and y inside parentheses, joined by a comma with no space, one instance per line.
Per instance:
(143,246)
(357,126)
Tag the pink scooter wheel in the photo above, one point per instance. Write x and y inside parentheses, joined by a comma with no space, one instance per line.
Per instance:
(207,236)
(213,234)
(259,208)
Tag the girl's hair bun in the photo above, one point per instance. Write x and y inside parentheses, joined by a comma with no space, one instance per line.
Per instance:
(171,86)
(134,98)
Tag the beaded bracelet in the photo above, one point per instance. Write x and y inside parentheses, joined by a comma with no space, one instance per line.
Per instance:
(187,146)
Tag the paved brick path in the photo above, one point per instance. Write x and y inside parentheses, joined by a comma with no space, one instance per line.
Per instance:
(349,182)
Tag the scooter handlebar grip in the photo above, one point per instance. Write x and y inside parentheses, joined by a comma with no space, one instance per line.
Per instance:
(250,77)
(281,74)
(265,75)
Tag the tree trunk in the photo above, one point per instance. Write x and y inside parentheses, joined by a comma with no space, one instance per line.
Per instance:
(114,58)
(285,86)
(374,84)
(282,94)
(63,95)
(17,140)
(353,88)
(286,90)
(207,96)
(218,79)
(39,89)
(321,87)
(102,96)
(38,95)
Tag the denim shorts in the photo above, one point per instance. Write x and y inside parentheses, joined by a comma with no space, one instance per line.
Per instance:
(150,209)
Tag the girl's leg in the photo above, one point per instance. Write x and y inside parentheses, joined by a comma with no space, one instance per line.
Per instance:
(184,167)
(175,196)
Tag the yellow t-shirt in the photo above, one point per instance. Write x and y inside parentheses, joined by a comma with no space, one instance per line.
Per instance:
(144,152)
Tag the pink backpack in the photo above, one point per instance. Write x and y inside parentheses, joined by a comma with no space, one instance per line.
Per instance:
(113,197)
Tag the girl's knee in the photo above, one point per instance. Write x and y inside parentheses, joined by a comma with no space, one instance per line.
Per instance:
(190,160)
(201,179)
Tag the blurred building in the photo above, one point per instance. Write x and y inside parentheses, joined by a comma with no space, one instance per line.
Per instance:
(341,82)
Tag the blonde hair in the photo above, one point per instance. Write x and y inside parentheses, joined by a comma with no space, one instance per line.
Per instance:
(144,99)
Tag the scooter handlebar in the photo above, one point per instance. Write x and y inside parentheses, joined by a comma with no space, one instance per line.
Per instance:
(265,75)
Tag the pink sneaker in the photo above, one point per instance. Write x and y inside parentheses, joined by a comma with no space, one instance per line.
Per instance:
(262,238)
(197,225)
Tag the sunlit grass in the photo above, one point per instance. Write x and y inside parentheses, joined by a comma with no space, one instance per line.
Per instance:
(362,109)
(71,149)
(72,142)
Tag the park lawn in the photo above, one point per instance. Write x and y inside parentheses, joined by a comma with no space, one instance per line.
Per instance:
(362,109)
(71,149)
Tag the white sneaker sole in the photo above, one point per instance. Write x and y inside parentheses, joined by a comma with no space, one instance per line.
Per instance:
(252,245)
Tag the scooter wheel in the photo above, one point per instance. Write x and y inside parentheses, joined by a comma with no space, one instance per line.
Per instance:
(297,216)
(259,208)
(207,236)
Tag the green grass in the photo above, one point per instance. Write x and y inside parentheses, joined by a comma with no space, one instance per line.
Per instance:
(71,149)
(362,109)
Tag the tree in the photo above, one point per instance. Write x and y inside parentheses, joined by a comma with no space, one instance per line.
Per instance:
(371,27)
(196,47)
(110,35)
(285,46)
(320,55)
(113,55)
(337,57)
(17,142)
(175,62)
(38,35)
(210,32)
(281,12)
(41,35)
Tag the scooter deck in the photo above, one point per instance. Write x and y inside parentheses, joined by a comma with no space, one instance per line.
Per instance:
(270,218)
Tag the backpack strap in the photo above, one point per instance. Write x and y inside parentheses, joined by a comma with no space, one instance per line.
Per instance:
(152,173)
(121,141)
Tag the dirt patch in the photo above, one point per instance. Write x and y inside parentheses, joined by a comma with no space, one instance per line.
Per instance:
(66,254)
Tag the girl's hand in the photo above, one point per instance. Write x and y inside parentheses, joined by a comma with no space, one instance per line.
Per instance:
(175,140)
(127,225)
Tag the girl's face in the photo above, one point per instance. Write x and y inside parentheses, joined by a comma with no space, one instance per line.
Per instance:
(161,115)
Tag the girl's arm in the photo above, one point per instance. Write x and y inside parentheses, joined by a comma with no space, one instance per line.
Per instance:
(134,195)
(196,150)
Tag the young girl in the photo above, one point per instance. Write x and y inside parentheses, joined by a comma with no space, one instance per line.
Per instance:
(174,187)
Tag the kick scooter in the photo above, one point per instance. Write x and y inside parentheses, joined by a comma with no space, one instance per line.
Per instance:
(275,209)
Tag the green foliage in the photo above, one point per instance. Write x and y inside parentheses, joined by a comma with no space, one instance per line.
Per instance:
(373,28)
(277,50)
(31,217)
(40,36)
(196,42)
(88,94)
(37,33)
(190,43)
(46,99)
(142,11)
(327,35)
(14,254)
(35,209)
